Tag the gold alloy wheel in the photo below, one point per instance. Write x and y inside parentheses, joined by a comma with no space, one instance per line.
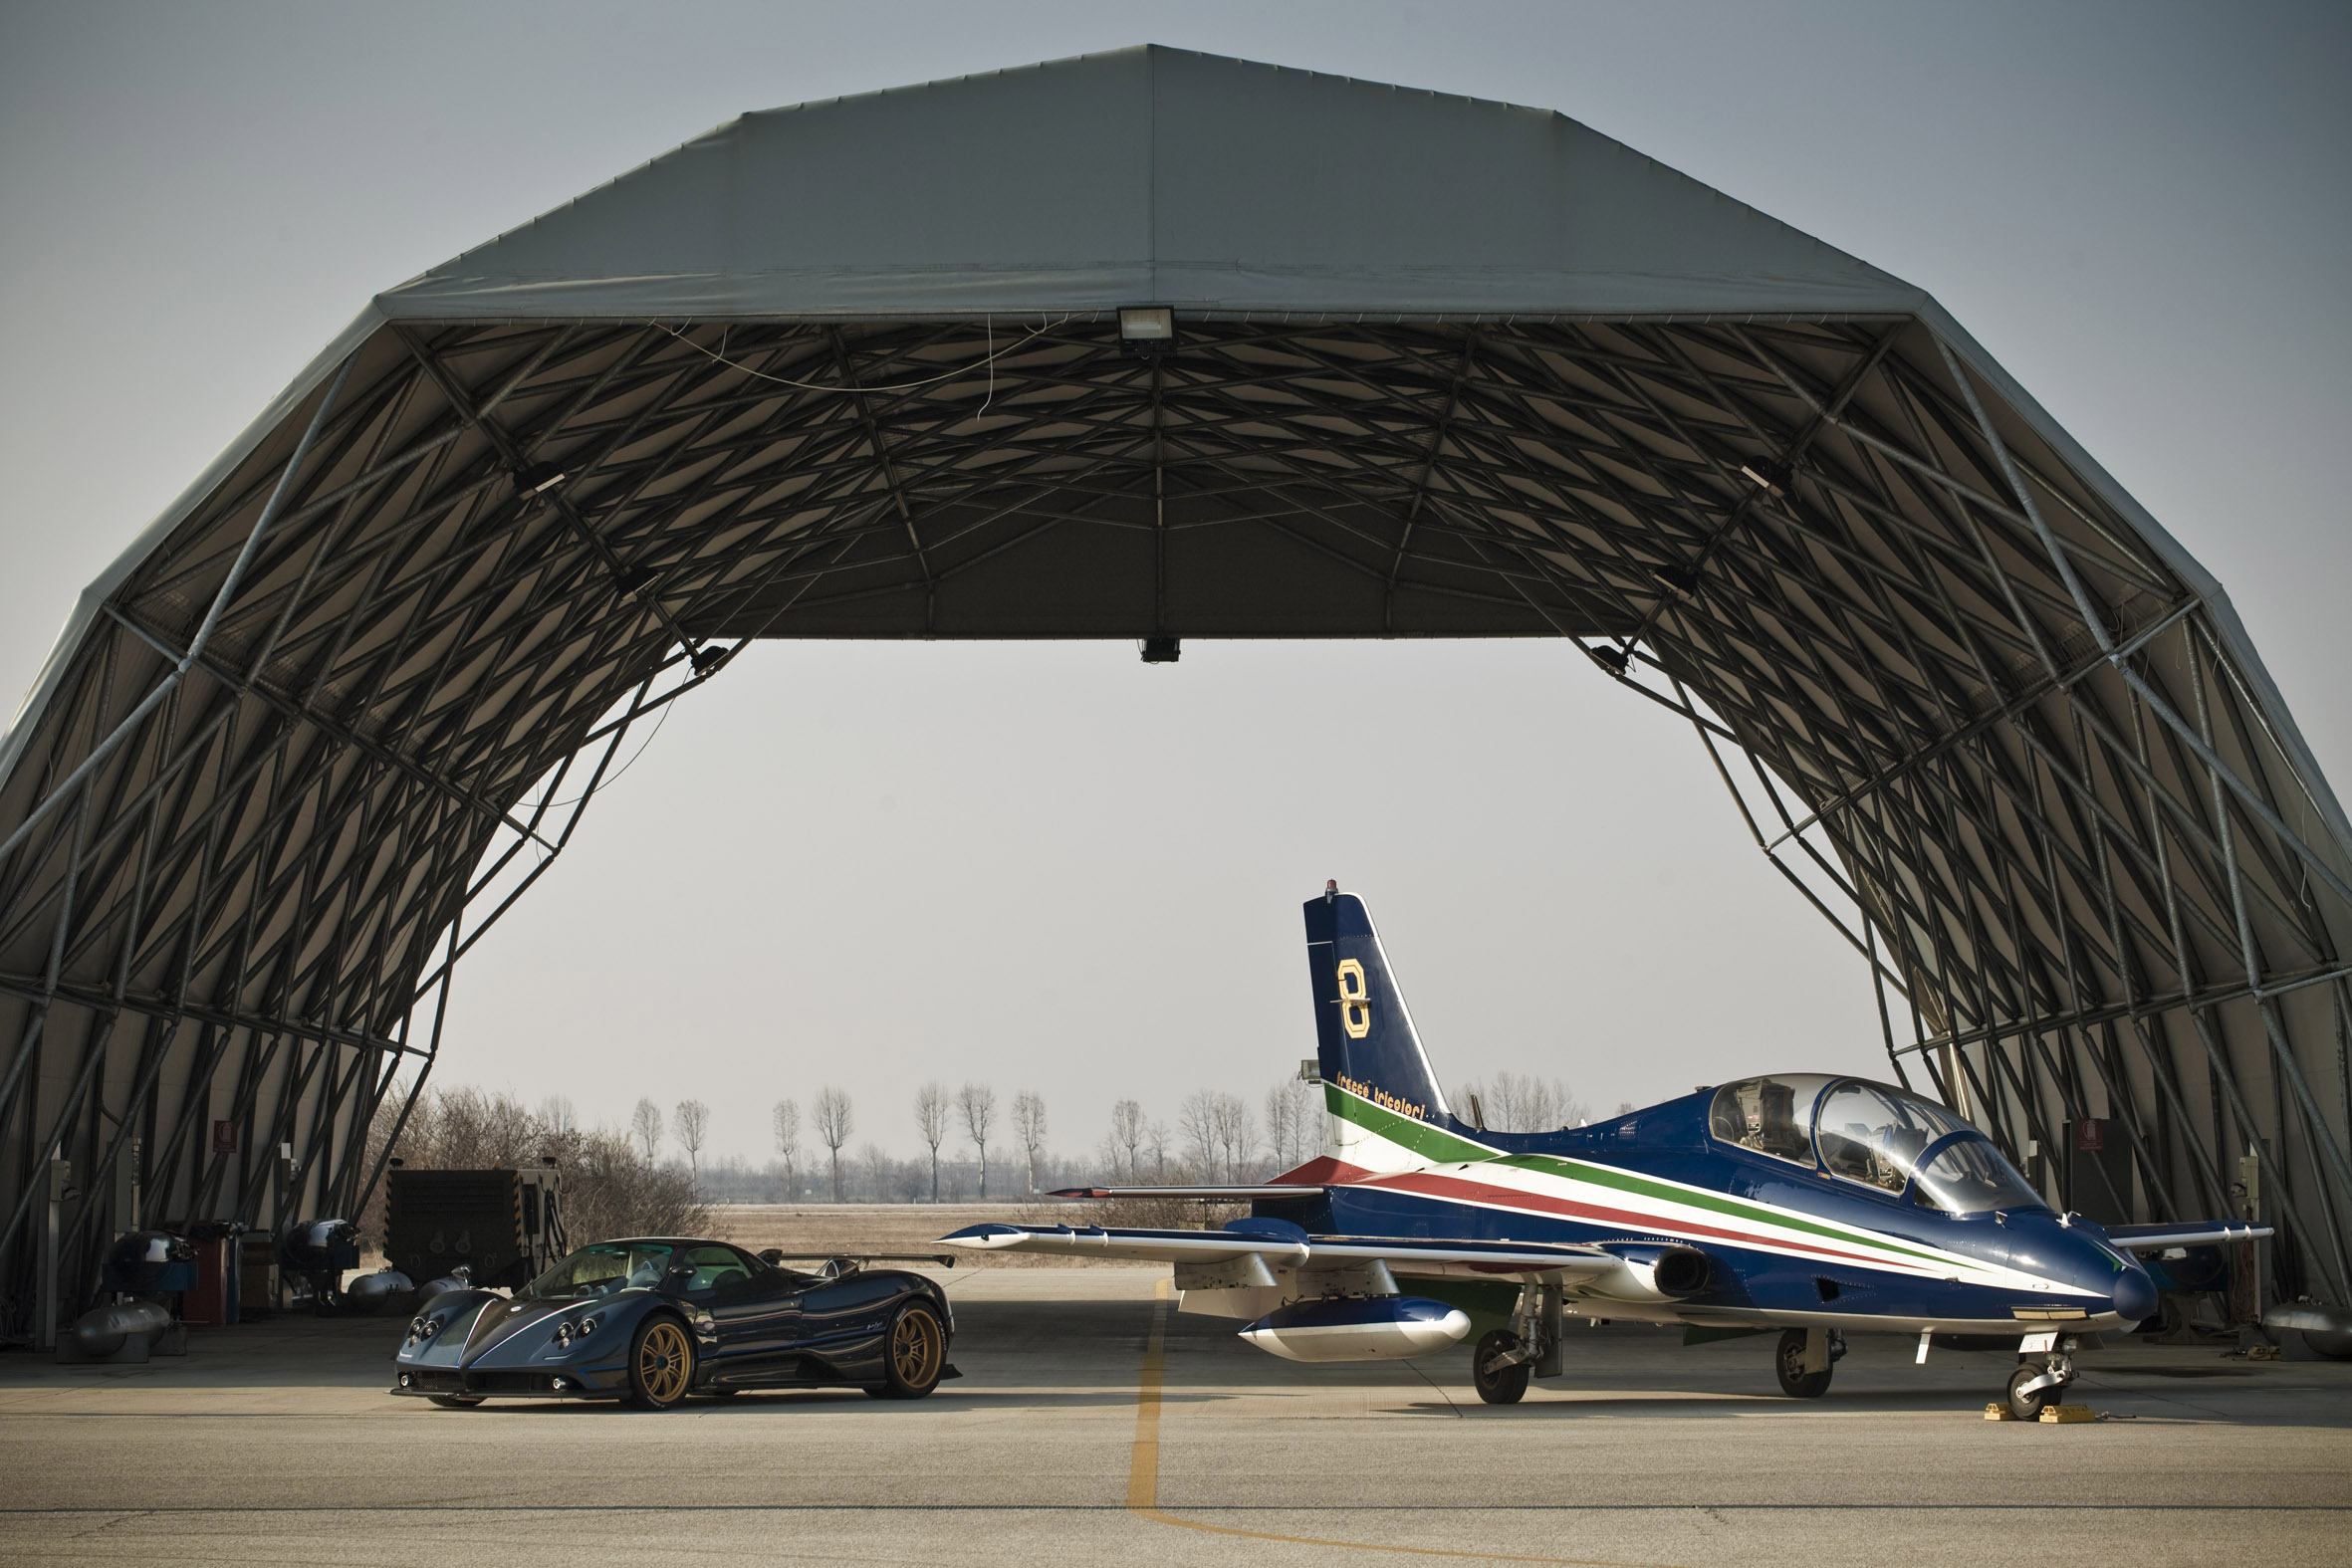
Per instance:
(664,1362)
(916,1346)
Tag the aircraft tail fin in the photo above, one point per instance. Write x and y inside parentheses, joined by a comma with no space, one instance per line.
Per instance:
(1368,1053)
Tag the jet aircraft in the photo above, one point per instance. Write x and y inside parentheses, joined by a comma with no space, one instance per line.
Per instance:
(1817,1205)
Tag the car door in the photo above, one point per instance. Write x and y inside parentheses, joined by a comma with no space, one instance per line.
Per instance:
(750,1313)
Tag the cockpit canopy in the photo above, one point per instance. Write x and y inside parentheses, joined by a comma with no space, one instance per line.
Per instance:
(1872,1134)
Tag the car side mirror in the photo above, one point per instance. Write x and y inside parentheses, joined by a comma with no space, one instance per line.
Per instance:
(773,1257)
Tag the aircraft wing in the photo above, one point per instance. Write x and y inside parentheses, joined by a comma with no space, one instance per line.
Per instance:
(2188,1232)
(1403,1254)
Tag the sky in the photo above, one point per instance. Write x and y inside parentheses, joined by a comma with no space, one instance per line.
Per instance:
(1045,865)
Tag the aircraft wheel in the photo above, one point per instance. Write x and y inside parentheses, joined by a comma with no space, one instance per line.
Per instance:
(1788,1362)
(1503,1385)
(2027,1406)
(661,1364)
(915,1355)
(455,1401)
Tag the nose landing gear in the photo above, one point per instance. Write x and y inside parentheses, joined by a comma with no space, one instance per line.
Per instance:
(2032,1386)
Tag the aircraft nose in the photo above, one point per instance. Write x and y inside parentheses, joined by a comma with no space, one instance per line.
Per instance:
(2135,1294)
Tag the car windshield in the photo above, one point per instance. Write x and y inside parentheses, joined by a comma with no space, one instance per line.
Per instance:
(600,1270)
(1968,1176)
(1870,1133)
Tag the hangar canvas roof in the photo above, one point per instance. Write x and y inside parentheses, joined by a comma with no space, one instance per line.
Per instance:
(1441,368)
(1150,175)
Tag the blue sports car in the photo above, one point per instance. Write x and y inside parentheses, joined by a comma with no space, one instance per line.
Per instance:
(652,1319)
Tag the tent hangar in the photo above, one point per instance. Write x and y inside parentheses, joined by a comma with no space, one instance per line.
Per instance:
(1154,344)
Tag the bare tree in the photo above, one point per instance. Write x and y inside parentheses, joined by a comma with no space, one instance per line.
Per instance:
(694,1126)
(1291,1122)
(557,1116)
(1157,1140)
(1520,1102)
(1541,1104)
(1236,1130)
(646,1128)
(978,1102)
(931,1120)
(1028,1123)
(1127,1131)
(835,1124)
(1196,1119)
(1280,1135)
(785,1119)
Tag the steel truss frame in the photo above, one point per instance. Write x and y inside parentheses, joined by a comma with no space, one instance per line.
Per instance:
(360,698)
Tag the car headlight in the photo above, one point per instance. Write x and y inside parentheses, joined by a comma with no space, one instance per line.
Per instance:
(563,1336)
(587,1325)
(422,1328)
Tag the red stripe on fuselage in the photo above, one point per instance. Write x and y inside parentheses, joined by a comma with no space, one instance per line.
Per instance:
(1321,1170)
(1429,1184)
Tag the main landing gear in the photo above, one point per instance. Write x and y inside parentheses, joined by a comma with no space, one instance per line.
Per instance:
(1530,1347)
(2034,1387)
(1806,1358)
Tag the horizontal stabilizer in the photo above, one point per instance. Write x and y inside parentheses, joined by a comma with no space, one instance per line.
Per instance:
(2186,1232)
(1235,1195)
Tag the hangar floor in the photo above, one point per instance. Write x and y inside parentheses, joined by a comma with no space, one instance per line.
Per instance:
(275,1443)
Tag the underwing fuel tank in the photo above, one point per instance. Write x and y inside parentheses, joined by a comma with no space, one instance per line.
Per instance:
(101,1331)
(1358,1328)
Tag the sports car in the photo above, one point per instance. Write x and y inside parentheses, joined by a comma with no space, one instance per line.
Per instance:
(654,1319)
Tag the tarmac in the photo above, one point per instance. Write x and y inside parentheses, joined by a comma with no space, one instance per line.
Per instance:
(1092,1425)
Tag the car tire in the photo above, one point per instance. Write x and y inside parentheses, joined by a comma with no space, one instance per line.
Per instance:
(914,1353)
(1788,1365)
(1504,1385)
(2029,1407)
(455,1401)
(661,1363)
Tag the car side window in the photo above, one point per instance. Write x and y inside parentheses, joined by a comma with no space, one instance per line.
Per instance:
(715,1266)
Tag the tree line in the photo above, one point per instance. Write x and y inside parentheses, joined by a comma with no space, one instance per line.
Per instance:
(1213,1136)
(621,1182)
(612,1185)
